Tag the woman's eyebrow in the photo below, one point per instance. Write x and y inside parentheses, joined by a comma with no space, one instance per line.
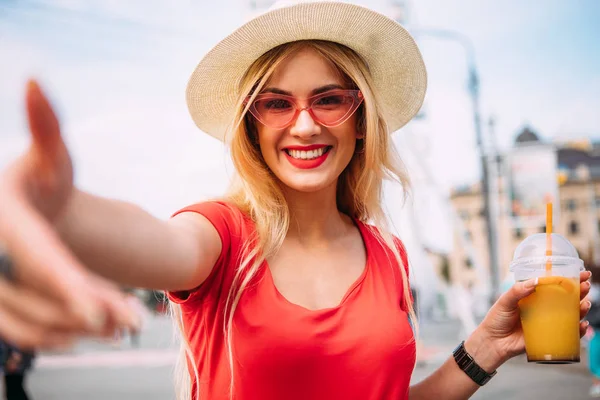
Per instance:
(277,91)
(316,91)
(326,88)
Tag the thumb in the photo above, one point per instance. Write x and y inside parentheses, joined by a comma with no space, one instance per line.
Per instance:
(47,145)
(509,301)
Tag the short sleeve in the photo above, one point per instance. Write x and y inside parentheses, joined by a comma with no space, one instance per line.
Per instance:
(227,221)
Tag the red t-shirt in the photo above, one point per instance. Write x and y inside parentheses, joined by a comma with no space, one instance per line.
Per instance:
(362,349)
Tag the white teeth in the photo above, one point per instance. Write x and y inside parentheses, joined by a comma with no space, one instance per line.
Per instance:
(307,155)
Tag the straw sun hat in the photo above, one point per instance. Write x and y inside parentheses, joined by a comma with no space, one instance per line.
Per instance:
(390,52)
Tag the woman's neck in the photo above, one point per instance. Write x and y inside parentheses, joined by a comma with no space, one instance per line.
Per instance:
(314,216)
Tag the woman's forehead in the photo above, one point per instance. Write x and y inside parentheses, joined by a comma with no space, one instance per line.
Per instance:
(304,71)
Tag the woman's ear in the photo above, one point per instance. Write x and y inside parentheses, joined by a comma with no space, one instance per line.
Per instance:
(360,146)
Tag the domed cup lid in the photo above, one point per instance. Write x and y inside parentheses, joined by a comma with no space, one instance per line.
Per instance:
(531,253)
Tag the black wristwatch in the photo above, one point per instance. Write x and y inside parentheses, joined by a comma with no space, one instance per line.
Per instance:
(470,367)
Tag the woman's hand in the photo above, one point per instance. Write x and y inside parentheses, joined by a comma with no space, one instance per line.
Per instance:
(501,335)
(49,298)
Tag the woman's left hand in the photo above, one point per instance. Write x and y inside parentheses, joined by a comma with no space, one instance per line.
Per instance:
(501,334)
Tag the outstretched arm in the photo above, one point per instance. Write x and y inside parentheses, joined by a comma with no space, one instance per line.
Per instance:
(56,244)
(125,244)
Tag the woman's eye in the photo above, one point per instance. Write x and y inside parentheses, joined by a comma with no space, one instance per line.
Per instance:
(330,100)
(276,104)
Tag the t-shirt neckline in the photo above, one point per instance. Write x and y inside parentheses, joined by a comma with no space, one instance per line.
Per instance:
(355,285)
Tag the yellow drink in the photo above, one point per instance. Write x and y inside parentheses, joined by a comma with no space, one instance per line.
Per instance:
(550,320)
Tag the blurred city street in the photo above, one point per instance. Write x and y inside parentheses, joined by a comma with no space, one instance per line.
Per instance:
(510,125)
(94,371)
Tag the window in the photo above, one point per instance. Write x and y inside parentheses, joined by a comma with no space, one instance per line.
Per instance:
(519,232)
(468,263)
(571,205)
(573,228)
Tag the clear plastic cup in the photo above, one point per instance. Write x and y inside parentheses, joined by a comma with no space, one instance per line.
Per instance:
(550,315)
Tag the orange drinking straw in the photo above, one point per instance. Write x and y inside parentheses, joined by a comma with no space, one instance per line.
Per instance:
(548,237)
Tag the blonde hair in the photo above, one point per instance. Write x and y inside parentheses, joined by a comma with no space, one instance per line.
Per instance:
(256,192)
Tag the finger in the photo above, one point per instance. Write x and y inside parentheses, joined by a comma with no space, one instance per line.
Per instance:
(583,326)
(584,289)
(584,308)
(59,342)
(23,334)
(36,309)
(43,124)
(47,166)
(509,301)
(49,267)
(585,276)
(118,310)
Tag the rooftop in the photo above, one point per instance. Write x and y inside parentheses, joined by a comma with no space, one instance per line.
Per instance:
(573,156)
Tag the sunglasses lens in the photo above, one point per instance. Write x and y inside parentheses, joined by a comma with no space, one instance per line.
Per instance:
(331,109)
(274,111)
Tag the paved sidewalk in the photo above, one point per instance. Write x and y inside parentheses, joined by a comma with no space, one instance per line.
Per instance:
(99,371)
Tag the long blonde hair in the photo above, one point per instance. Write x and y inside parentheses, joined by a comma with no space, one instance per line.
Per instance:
(257,193)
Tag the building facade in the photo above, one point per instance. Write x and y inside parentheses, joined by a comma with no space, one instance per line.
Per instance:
(578,219)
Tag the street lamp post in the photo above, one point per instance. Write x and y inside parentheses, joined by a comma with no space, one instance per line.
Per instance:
(474,94)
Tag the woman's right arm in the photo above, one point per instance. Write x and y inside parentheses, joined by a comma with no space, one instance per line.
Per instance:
(127,245)
(68,248)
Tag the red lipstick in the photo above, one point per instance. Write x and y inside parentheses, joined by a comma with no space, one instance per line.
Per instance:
(307,163)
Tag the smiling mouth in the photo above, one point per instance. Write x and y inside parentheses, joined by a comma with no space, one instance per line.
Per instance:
(308,154)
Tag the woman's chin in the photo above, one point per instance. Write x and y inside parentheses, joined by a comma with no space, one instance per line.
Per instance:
(307,184)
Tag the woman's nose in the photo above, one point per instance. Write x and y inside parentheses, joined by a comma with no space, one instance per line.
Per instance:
(305,125)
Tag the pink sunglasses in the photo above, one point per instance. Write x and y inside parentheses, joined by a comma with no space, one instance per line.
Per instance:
(329,109)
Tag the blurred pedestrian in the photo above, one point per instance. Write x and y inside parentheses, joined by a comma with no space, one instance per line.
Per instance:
(134,333)
(138,307)
(594,342)
(17,366)
(463,307)
(3,356)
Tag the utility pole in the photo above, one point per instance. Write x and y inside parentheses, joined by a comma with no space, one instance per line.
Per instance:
(258,6)
(485,178)
(473,90)
(494,208)
(399,11)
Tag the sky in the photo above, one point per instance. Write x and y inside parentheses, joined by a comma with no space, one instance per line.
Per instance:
(116,72)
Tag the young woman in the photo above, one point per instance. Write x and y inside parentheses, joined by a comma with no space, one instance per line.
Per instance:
(290,286)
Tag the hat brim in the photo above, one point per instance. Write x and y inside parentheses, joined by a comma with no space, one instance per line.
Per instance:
(390,52)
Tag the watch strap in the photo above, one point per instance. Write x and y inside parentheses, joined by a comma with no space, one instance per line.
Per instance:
(470,367)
